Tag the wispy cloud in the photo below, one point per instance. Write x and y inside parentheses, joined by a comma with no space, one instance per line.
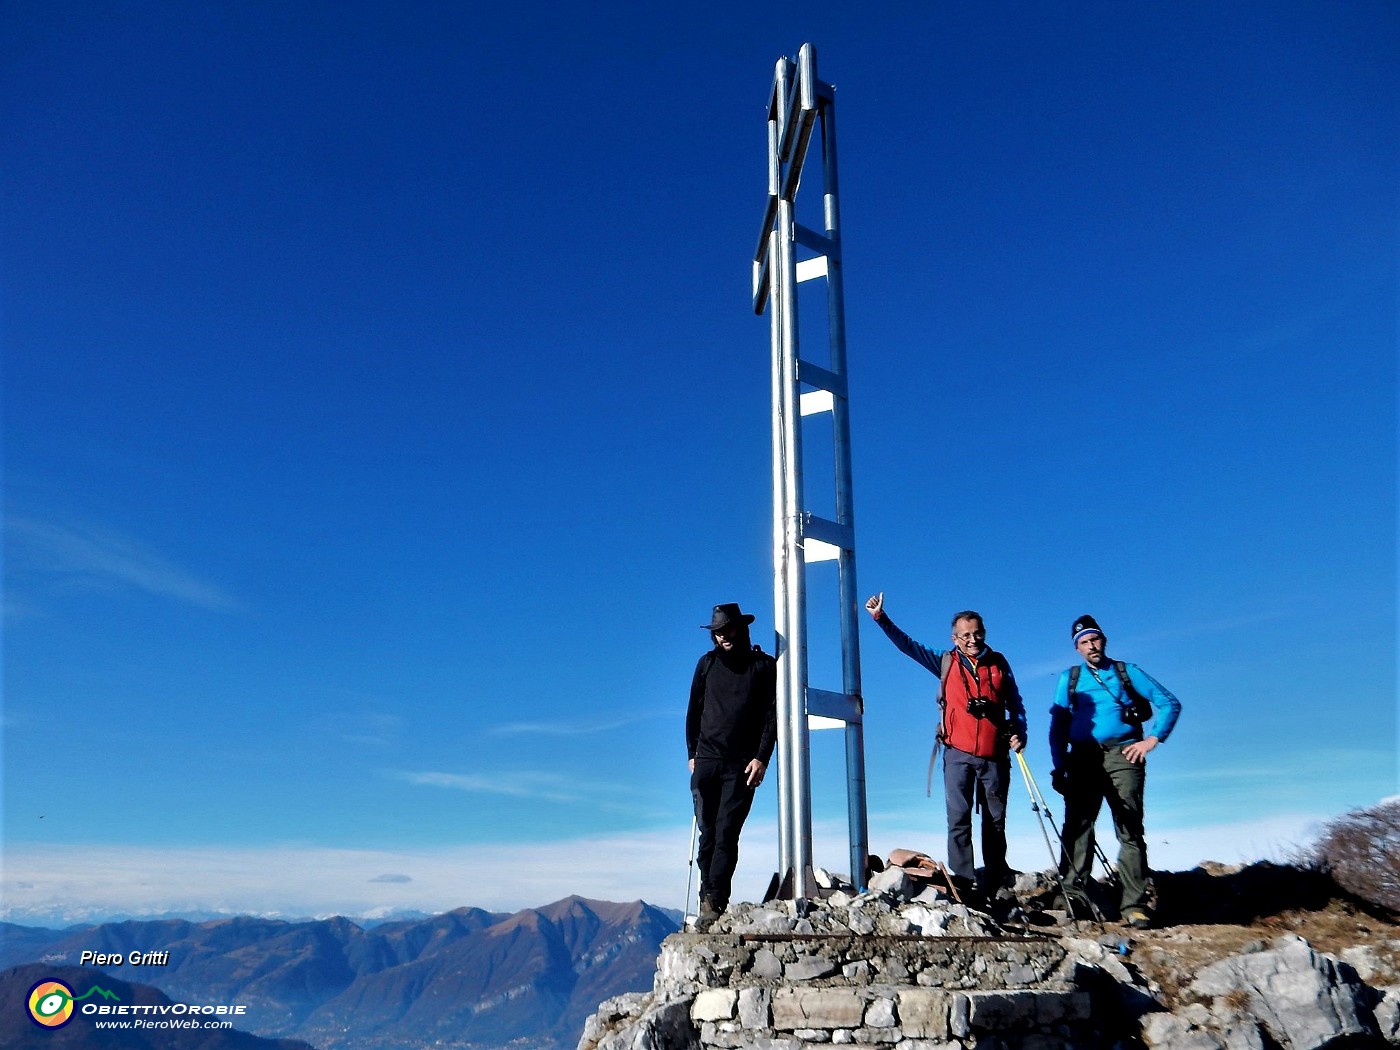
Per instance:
(100,559)
(565,728)
(361,728)
(392,878)
(549,787)
(1128,643)
(1278,771)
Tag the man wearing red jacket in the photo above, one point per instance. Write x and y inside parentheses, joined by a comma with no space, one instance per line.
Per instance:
(981,721)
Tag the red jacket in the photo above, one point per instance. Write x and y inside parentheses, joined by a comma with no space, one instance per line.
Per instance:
(983,737)
(960,729)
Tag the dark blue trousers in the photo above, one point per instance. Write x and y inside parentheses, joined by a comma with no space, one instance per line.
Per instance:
(967,778)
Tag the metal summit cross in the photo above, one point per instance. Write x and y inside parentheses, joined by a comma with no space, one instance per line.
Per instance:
(799,104)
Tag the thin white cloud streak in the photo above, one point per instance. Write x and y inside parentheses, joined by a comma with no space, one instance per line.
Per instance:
(1286,769)
(564,728)
(1128,643)
(360,728)
(549,787)
(58,885)
(97,558)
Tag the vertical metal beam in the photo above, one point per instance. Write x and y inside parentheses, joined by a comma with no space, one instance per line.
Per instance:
(794,569)
(858,831)
(777,109)
(780,606)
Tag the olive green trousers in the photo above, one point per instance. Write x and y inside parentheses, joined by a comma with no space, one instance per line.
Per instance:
(1097,774)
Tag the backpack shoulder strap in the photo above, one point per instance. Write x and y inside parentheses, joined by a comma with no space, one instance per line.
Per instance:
(1139,708)
(1122,669)
(947,665)
(1073,678)
(705,664)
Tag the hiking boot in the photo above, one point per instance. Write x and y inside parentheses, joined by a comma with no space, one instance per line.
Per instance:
(1138,918)
(1077,905)
(1003,910)
(969,894)
(708,914)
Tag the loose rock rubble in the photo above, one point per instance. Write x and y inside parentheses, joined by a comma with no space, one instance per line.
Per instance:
(906,967)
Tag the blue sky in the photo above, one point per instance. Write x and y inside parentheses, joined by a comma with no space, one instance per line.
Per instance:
(383,411)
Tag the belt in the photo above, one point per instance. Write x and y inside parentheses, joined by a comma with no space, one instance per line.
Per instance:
(1109,746)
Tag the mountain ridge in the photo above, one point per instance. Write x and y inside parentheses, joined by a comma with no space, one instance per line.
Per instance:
(465,978)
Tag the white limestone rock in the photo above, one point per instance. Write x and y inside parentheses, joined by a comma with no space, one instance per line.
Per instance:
(893,882)
(661,1026)
(755,1007)
(714,1004)
(1387,1014)
(1303,998)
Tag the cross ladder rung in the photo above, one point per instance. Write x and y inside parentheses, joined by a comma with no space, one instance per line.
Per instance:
(838,707)
(829,532)
(820,378)
(817,242)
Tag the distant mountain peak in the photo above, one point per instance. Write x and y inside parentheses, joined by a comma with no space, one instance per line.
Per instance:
(463,976)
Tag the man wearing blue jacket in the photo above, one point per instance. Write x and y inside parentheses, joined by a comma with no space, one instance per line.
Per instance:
(1099,740)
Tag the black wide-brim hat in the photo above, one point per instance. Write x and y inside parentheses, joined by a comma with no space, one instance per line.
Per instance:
(726,615)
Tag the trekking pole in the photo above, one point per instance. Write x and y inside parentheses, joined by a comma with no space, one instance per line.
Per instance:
(1042,814)
(1109,873)
(690,872)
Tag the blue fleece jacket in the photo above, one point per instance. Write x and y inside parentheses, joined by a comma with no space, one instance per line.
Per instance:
(1095,711)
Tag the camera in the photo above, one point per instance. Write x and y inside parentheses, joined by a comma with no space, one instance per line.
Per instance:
(979,707)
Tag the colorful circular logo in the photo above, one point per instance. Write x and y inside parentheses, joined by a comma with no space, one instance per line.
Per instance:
(51,1004)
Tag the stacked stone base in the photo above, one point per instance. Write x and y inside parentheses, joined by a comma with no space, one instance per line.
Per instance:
(918,972)
(886,1015)
(784,992)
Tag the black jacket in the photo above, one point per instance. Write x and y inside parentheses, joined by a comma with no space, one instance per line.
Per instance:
(732,717)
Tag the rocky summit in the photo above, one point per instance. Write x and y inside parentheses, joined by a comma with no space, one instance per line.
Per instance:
(907,967)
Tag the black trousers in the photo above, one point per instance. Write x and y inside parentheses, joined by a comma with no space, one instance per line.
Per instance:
(722,801)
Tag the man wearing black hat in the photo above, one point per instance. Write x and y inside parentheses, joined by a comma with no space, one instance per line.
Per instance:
(730,729)
(1099,744)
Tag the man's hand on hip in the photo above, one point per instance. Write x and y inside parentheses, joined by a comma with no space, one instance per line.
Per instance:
(1137,752)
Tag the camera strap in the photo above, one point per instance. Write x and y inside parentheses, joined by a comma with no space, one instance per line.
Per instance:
(1137,709)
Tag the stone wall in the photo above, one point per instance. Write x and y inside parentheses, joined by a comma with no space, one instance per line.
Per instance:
(908,969)
(924,976)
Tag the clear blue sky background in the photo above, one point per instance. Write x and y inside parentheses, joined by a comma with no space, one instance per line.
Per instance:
(384,410)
